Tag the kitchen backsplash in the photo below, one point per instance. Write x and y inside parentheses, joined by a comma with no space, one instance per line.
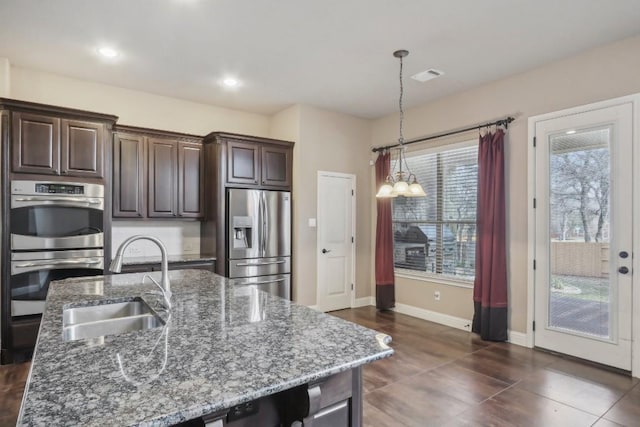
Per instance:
(178,237)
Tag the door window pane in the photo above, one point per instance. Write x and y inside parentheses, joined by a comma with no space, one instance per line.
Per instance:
(579,229)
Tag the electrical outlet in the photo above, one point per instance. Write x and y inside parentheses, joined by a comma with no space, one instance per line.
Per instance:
(436,295)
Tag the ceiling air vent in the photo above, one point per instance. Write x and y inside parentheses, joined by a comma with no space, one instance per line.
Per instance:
(429,74)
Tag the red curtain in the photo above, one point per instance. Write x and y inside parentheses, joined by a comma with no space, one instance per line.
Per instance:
(385,285)
(490,286)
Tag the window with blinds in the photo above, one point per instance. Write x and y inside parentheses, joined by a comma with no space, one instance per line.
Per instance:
(435,235)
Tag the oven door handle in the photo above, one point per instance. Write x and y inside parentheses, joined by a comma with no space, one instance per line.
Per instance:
(57,263)
(29,267)
(49,200)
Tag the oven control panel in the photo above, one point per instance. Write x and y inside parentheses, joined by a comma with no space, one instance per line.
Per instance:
(59,188)
(43,188)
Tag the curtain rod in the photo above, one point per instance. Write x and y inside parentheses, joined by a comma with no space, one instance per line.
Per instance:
(502,122)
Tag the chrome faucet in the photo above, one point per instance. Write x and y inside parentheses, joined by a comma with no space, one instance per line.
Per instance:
(164,285)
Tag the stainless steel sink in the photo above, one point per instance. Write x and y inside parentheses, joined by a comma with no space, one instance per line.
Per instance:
(107,319)
(93,313)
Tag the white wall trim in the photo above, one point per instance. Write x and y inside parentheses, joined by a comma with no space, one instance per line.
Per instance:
(364,302)
(434,316)
(518,338)
(313,307)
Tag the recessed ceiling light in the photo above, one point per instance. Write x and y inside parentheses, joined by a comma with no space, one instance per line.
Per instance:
(570,132)
(107,52)
(230,82)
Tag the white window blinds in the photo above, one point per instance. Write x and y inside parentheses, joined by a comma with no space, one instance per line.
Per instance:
(435,235)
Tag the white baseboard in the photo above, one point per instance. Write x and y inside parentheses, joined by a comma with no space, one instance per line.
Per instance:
(315,307)
(434,316)
(518,338)
(364,301)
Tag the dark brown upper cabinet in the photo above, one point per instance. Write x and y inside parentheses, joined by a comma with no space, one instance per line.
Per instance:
(276,166)
(163,178)
(157,174)
(35,144)
(243,162)
(82,149)
(254,162)
(128,176)
(190,180)
(48,145)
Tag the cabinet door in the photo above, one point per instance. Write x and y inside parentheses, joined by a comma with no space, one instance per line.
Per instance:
(163,180)
(82,149)
(35,144)
(190,176)
(276,166)
(128,176)
(243,162)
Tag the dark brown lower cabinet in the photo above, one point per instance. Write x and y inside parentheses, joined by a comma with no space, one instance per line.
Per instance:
(334,401)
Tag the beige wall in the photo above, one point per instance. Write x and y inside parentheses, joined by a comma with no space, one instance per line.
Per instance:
(5,78)
(599,74)
(326,141)
(133,107)
(286,125)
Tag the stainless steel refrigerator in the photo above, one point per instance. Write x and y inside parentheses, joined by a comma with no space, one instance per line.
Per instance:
(259,239)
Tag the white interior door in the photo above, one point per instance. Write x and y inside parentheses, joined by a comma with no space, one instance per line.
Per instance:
(583,247)
(336,225)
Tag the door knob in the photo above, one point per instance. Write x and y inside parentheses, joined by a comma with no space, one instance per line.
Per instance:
(623,270)
(324,251)
(623,254)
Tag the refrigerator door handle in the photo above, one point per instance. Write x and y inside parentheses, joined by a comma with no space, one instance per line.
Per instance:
(265,224)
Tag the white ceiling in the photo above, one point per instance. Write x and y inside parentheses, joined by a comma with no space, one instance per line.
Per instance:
(334,54)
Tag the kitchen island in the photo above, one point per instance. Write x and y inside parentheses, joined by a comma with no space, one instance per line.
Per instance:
(228,353)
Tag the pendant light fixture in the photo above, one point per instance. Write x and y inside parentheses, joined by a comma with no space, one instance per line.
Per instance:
(399,186)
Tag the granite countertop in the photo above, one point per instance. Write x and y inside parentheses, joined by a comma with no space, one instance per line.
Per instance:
(128,260)
(222,345)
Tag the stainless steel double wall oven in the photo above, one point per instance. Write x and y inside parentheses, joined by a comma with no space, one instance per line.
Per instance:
(56,232)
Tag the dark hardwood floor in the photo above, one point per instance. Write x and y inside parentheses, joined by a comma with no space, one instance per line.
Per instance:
(12,381)
(441,376)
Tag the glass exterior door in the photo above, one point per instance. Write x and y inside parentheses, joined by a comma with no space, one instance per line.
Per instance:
(583,235)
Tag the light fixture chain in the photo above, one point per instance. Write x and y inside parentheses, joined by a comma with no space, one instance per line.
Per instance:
(401,139)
